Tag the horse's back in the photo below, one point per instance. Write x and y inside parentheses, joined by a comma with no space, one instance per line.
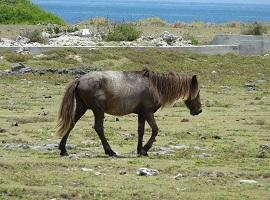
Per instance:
(119,92)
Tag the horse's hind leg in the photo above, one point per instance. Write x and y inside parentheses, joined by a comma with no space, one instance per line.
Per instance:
(79,112)
(99,119)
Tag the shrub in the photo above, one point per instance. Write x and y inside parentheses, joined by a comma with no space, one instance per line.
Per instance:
(124,32)
(192,38)
(254,29)
(35,36)
(153,21)
(180,24)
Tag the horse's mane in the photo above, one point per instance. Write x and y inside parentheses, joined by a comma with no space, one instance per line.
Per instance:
(172,86)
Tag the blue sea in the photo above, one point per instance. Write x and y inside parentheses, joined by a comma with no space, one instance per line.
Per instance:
(170,10)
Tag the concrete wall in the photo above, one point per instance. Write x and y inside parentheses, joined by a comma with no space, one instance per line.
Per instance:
(248,44)
(204,49)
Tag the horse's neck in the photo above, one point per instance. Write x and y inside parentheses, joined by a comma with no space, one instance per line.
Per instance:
(171,87)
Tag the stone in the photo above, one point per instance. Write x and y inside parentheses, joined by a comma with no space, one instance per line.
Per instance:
(122,172)
(217,137)
(2,130)
(178,176)
(17,67)
(203,155)
(200,148)
(26,70)
(168,38)
(22,40)
(180,146)
(14,123)
(185,120)
(147,172)
(251,86)
(87,170)
(164,151)
(85,32)
(248,182)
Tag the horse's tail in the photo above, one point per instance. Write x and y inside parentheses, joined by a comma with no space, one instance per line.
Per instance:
(66,110)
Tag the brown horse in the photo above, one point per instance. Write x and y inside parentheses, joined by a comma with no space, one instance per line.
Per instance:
(120,93)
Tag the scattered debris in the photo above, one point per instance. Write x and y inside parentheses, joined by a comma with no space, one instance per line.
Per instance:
(147,172)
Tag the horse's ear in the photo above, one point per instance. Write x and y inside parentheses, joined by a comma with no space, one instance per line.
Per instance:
(194,86)
(194,81)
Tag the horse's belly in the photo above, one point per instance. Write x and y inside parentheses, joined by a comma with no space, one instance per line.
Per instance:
(121,107)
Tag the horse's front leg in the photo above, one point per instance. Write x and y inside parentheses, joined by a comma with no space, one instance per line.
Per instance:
(152,123)
(141,124)
(99,119)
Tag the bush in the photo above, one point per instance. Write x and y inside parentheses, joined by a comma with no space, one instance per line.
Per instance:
(124,32)
(254,29)
(192,38)
(35,36)
(153,21)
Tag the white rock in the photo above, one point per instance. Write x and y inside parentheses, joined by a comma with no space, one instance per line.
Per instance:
(87,170)
(85,32)
(248,182)
(178,176)
(147,172)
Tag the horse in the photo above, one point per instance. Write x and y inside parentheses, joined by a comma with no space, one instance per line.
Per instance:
(120,93)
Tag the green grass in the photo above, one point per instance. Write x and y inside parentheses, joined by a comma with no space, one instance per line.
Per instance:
(25,12)
(231,113)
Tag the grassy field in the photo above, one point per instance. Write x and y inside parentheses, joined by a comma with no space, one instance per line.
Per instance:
(222,144)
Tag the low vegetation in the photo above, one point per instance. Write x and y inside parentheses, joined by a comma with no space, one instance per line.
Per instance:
(123,32)
(35,36)
(254,29)
(25,12)
(222,144)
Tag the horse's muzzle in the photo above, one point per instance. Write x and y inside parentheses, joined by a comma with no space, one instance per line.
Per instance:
(196,113)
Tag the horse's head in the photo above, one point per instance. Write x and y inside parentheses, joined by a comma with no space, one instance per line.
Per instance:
(194,102)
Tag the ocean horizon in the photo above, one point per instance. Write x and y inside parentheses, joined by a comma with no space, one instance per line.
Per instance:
(170,10)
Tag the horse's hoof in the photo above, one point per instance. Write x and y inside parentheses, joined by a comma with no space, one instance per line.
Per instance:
(143,152)
(64,153)
(111,154)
